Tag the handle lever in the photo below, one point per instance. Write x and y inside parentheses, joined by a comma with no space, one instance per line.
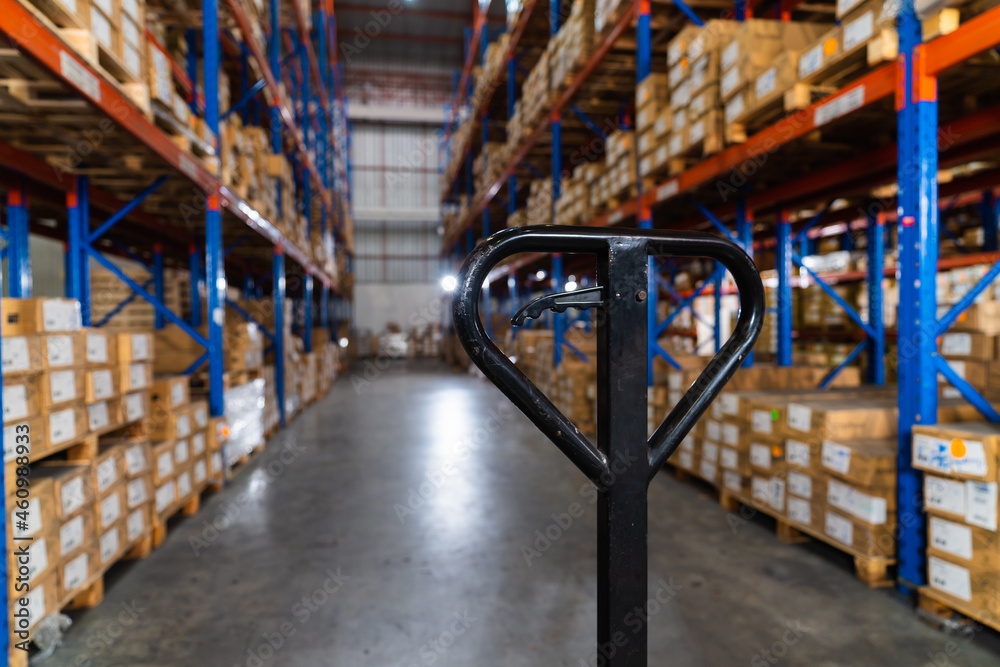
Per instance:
(581,299)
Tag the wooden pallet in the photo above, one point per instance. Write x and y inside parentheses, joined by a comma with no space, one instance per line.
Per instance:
(188,507)
(945,608)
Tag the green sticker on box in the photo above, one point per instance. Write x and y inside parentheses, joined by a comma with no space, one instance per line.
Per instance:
(774,415)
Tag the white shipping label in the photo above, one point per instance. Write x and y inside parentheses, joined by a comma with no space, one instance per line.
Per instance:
(676,74)
(981,504)
(732,480)
(687,444)
(686,460)
(760,421)
(98,416)
(731,434)
(131,7)
(35,605)
(680,120)
(111,509)
(59,351)
(760,489)
(178,394)
(184,484)
(135,407)
(682,96)
(661,126)
(130,31)
(675,144)
(765,83)
(735,108)
(675,52)
(71,496)
(799,417)
(165,496)
(811,60)
(697,105)
(181,452)
(729,458)
(135,525)
(32,525)
(936,454)
(103,383)
(944,495)
(839,528)
(15,402)
(38,558)
(198,444)
(62,386)
(950,537)
(797,453)
(183,426)
(859,31)
(135,460)
(730,404)
(716,410)
(201,416)
(674,380)
(62,426)
(70,536)
(697,77)
(62,315)
(165,464)
(870,509)
(216,463)
(697,131)
(836,457)
(956,344)
(200,471)
(844,6)
(730,55)
(136,493)
(953,579)
(97,348)
(708,470)
(710,452)
(140,347)
(841,105)
(730,81)
(799,484)
(76,571)
(10,443)
(110,543)
(760,456)
(107,474)
(101,28)
(776,489)
(713,430)
(137,376)
(14,356)
(799,511)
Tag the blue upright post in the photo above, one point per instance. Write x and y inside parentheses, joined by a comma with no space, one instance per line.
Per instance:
(307,309)
(158,287)
(194,262)
(720,272)
(324,307)
(191,37)
(18,249)
(512,291)
(917,127)
(279,328)
(558,318)
(215,274)
(305,95)
(876,272)
(249,289)
(75,250)
(784,268)
(5,630)
(744,231)
(274,60)
(988,212)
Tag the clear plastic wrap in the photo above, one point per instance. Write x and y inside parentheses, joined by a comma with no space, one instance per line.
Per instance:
(245,414)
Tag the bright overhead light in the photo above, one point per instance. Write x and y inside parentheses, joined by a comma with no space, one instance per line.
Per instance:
(344,342)
(571,286)
(449,283)
(540,275)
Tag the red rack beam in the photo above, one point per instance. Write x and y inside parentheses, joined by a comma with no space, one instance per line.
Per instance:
(974,36)
(470,59)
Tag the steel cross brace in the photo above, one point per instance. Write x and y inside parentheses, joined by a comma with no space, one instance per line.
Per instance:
(250,318)
(830,292)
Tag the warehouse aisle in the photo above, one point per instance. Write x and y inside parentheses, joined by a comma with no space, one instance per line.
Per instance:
(413,519)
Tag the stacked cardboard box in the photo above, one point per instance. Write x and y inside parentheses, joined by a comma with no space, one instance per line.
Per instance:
(539,205)
(960,495)
(653,122)
(571,46)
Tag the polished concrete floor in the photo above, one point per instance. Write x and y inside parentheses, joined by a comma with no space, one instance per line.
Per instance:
(397,524)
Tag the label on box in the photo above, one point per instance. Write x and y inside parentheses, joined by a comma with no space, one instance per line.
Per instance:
(867,508)
(35,605)
(135,460)
(956,344)
(760,456)
(132,58)
(131,7)
(760,421)
(765,83)
(844,6)
(181,452)
(799,511)
(62,386)
(165,496)
(730,55)
(682,96)
(799,417)
(841,105)
(732,480)
(136,493)
(184,485)
(839,528)
(708,470)
(799,484)
(103,383)
(776,493)
(111,509)
(859,31)
(216,461)
(101,28)
(15,357)
(981,504)
(731,434)
(71,496)
(70,535)
(836,457)
(198,444)
(729,458)
(62,426)
(135,407)
(178,395)
(76,571)
(34,522)
(10,442)
(680,120)
(58,315)
(730,81)
(137,377)
(59,351)
(165,464)
(735,108)
(797,453)
(957,366)
(97,348)
(105,6)
(713,430)
(730,404)
(140,347)
(183,426)
(38,557)
(675,144)
(811,60)
(109,544)
(107,475)
(661,126)
(760,489)
(98,416)
(951,538)
(675,75)
(936,454)
(944,495)
(953,579)
(697,131)
(130,31)
(686,460)
(15,402)
(687,444)
(698,72)
(200,471)
(135,525)
(716,410)
(710,451)
(674,380)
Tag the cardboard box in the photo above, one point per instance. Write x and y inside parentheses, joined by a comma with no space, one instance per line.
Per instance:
(111,544)
(170,393)
(65,426)
(76,572)
(842,419)
(962,450)
(138,459)
(20,355)
(171,424)
(135,376)
(769,492)
(803,456)
(35,515)
(199,445)
(967,345)
(76,533)
(41,601)
(63,350)
(807,486)
(735,482)
(135,347)
(165,498)
(24,438)
(135,406)
(973,547)
(101,384)
(217,433)
(735,460)
(978,590)
(112,508)
(22,317)
(137,524)
(199,473)
(654,89)
(200,415)
(101,347)
(859,537)
(866,463)
(805,512)
(182,454)
(109,468)
(981,317)
(185,485)
(71,485)
(21,399)
(974,503)
(766,455)
(164,467)
(861,505)
(29,562)
(60,388)
(139,492)
(972,371)
(104,416)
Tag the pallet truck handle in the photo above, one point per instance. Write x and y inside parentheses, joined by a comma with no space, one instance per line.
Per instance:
(603,243)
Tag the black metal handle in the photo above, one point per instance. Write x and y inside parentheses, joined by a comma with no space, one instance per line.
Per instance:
(601,242)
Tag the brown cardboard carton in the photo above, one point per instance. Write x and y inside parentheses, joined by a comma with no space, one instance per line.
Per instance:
(962,450)
(866,463)
(71,485)
(23,317)
(21,355)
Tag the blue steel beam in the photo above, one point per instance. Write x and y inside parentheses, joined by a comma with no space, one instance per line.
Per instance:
(967,391)
(876,273)
(803,234)
(744,231)
(158,285)
(122,305)
(215,273)
(279,328)
(588,123)
(966,301)
(988,213)
(5,630)
(18,251)
(839,300)
(784,270)
(307,315)
(132,255)
(239,310)
(558,320)
(120,215)
(848,360)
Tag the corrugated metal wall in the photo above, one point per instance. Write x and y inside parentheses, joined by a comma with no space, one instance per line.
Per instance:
(395,167)
(397,252)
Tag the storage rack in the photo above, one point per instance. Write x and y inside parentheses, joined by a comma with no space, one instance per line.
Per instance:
(762,215)
(175,208)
